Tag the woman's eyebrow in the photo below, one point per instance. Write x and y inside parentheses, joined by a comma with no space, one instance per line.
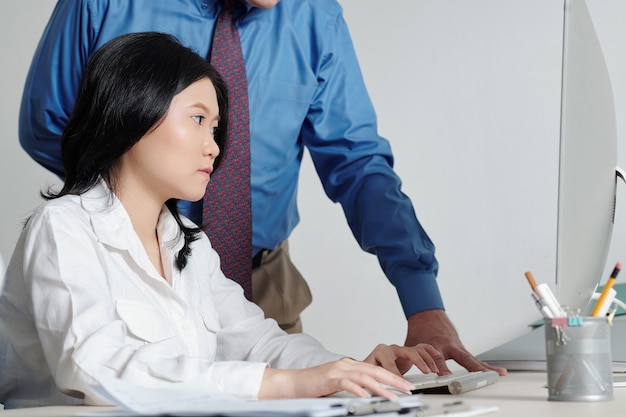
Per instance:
(204,107)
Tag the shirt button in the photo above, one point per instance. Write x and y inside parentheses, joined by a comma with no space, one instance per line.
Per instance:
(205,5)
(186,326)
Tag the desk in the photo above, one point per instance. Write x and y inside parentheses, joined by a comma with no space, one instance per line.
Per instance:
(524,394)
(519,394)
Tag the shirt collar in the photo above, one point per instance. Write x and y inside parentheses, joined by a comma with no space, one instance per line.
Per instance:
(111,223)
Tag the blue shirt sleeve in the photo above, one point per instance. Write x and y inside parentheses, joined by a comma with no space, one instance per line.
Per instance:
(52,83)
(355,165)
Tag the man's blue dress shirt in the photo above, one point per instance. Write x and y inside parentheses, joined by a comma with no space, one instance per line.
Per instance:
(305,90)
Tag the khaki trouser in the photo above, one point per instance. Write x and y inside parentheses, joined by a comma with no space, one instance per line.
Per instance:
(280,290)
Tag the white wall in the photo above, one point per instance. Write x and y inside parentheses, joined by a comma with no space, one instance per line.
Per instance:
(468,93)
(21,25)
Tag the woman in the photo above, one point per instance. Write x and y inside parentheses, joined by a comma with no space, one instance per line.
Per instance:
(107,279)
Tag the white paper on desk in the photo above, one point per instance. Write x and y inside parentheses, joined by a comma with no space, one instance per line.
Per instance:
(472,412)
(156,401)
(187,400)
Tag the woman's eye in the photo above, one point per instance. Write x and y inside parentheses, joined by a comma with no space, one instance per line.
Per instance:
(214,131)
(199,119)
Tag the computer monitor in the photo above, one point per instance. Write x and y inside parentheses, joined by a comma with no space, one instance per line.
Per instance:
(588,158)
(587,185)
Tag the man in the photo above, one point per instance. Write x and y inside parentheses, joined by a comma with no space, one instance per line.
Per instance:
(304,89)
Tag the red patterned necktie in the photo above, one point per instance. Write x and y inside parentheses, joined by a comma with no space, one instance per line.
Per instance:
(227,211)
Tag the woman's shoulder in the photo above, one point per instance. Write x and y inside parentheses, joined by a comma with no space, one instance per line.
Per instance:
(98,199)
(65,211)
(67,204)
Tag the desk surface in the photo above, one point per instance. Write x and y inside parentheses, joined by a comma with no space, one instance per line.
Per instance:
(524,394)
(519,394)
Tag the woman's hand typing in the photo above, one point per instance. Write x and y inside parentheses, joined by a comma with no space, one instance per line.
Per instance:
(359,378)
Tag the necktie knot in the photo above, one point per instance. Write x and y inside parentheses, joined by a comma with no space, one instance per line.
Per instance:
(229,4)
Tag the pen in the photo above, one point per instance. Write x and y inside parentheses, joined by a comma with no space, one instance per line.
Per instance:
(360,409)
(605,290)
(382,406)
(447,408)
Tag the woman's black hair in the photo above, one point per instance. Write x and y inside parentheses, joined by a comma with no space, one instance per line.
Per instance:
(125,92)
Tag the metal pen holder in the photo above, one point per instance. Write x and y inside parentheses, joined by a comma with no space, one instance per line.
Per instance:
(578,354)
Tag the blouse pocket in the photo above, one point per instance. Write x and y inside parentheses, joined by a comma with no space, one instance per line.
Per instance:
(210,321)
(144,321)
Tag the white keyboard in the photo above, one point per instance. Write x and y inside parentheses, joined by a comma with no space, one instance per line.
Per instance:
(455,383)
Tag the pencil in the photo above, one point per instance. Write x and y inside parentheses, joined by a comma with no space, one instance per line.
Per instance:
(531,281)
(606,289)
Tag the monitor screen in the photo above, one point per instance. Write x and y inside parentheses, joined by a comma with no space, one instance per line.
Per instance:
(588,158)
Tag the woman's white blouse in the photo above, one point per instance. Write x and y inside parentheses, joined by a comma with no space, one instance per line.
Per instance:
(81,299)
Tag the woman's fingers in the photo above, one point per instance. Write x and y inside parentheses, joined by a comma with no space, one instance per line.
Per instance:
(359,378)
(394,358)
(374,379)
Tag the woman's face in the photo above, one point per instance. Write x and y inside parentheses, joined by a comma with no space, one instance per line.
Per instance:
(175,160)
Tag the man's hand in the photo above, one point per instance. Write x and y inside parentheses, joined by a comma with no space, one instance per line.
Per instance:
(435,328)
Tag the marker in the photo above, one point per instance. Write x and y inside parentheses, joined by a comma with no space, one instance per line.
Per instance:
(605,291)
(546,295)
(545,311)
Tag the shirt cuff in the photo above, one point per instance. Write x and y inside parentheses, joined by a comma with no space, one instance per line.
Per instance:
(238,378)
(419,293)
